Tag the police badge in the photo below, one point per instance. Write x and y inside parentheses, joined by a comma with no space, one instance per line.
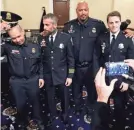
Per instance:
(121,46)
(33,50)
(61,46)
(93,30)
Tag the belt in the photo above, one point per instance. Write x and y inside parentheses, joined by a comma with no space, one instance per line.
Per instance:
(83,64)
(23,78)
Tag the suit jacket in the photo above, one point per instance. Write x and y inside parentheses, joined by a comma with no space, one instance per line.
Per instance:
(58,60)
(100,117)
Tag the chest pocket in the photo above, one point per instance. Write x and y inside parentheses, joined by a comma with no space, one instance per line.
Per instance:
(92,34)
(16,56)
(34,56)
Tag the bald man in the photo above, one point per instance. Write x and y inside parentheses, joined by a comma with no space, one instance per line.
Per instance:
(26,71)
(84,31)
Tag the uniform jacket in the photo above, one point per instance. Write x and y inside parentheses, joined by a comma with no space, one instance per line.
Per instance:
(24,60)
(58,60)
(122,49)
(84,37)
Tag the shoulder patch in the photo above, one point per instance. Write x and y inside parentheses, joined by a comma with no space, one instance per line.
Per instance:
(69,22)
(97,20)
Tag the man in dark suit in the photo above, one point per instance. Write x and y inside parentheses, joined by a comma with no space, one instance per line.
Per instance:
(114,46)
(58,62)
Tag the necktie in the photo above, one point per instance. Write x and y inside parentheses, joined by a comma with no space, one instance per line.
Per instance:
(113,41)
(51,41)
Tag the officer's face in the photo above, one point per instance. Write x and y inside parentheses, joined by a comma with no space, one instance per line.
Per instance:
(17,35)
(49,26)
(114,24)
(82,11)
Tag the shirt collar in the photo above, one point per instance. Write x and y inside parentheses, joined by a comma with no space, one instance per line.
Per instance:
(116,34)
(54,35)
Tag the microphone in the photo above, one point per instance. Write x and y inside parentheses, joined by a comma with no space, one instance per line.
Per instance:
(125,24)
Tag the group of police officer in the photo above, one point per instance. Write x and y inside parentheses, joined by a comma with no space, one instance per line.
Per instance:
(64,58)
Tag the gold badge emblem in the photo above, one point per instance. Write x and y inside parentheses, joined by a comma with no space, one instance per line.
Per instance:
(8,16)
(93,30)
(33,50)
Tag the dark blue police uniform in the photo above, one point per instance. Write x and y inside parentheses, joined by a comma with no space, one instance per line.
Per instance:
(123,48)
(58,64)
(26,69)
(84,37)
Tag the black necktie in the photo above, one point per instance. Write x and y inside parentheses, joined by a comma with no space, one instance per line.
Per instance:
(113,41)
(51,41)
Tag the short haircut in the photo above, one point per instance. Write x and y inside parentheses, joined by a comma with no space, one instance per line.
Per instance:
(18,27)
(52,17)
(114,13)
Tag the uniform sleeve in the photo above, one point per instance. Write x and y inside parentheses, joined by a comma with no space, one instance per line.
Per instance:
(100,117)
(130,54)
(70,58)
(97,56)
(3,49)
(40,64)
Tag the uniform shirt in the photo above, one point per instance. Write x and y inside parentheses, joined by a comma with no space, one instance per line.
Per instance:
(24,60)
(52,36)
(84,37)
(115,34)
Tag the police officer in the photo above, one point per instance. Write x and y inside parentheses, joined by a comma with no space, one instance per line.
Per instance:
(84,31)
(114,46)
(26,70)
(58,63)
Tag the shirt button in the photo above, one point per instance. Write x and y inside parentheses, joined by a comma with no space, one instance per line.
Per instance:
(25,58)
(109,55)
(52,57)
(52,68)
(82,37)
(52,52)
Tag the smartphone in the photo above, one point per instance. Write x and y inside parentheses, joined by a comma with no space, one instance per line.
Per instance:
(116,68)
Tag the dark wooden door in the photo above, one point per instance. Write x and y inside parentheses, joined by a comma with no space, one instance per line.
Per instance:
(61,10)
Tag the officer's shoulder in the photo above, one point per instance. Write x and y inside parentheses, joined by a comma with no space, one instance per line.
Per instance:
(96,20)
(70,22)
(103,35)
(65,34)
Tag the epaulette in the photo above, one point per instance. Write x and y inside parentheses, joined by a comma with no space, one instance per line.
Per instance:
(97,20)
(71,21)
(65,33)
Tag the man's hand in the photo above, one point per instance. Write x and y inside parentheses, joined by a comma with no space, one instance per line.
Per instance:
(103,91)
(68,82)
(41,83)
(4,26)
(129,33)
(130,62)
(124,87)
